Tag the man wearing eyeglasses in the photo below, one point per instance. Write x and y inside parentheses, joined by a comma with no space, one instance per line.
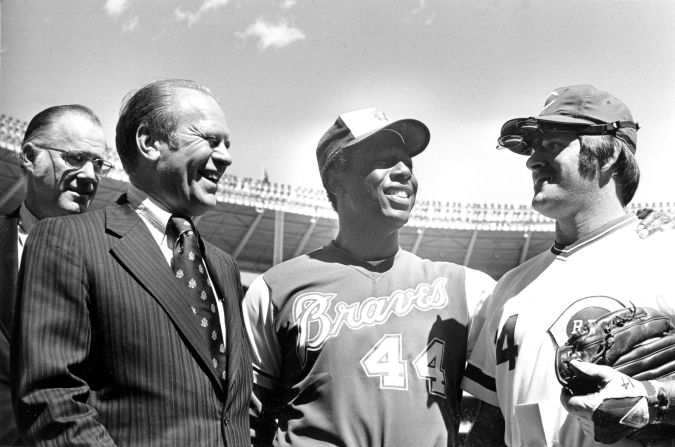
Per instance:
(581,155)
(62,155)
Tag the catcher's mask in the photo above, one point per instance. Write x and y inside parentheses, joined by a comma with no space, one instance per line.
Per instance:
(519,134)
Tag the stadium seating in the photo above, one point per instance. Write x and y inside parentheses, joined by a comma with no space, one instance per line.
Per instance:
(493,237)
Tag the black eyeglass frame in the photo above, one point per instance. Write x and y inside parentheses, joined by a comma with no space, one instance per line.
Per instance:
(102,166)
(517,135)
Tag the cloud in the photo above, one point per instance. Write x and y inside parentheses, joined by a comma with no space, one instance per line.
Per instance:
(288,4)
(193,17)
(421,5)
(271,35)
(130,25)
(115,7)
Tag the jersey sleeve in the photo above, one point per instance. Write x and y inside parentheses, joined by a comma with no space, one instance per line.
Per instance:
(479,377)
(259,313)
(479,287)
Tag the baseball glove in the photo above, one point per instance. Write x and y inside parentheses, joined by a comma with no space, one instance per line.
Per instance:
(637,341)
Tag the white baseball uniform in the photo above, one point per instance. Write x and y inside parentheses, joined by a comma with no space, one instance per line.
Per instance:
(538,305)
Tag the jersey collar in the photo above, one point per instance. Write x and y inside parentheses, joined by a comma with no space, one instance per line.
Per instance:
(607,229)
(351,258)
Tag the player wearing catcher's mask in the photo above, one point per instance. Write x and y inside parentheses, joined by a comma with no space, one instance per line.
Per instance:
(580,151)
(362,343)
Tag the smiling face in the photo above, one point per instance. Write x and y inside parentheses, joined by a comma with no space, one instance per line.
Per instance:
(560,190)
(54,187)
(378,186)
(191,164)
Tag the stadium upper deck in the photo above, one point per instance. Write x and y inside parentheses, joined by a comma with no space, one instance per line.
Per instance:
(263,223)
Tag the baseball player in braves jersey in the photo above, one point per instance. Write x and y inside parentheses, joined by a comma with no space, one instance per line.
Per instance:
(361,343)
(581,154)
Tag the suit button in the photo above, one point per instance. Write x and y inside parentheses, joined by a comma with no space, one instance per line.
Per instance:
(226,421)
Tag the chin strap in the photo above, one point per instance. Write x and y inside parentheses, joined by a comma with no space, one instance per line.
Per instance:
(616,125)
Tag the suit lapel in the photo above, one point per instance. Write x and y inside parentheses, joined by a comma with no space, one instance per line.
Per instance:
(9,268)
(226,282)
(138,252)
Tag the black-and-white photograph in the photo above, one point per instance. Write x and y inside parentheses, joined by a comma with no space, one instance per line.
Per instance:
(299,223)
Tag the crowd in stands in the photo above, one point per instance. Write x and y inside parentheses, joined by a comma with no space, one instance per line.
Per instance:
(11,133)
(428,214)
(263,194)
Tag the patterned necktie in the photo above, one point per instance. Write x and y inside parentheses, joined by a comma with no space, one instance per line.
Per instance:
(190,272)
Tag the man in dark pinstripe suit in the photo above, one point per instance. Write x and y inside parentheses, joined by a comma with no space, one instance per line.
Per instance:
(108,351)
(57,184)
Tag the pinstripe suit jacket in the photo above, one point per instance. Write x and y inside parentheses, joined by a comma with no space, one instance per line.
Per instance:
(9,266)
(107,350)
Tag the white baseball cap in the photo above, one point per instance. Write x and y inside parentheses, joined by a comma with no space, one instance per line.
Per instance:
(356,127)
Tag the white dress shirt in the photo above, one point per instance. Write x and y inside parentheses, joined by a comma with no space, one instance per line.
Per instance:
(156,218)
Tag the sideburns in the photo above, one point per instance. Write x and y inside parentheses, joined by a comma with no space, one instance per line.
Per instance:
(588,163)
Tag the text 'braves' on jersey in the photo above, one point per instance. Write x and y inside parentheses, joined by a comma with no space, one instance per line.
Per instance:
(538,305)
(360,354)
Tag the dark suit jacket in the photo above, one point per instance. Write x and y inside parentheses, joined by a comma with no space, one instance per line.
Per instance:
(9,267)
(107,350)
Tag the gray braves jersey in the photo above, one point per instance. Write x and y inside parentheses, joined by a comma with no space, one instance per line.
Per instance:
(357,354)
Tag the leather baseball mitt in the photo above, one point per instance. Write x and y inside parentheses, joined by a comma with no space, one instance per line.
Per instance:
(637,341)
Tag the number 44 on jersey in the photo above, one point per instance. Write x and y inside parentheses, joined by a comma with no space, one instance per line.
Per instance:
(385,360)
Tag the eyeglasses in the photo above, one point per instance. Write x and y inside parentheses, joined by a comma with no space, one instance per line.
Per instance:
(518,135)
(77,160)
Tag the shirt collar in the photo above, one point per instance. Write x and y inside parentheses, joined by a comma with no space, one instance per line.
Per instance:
(27,220)
(151,209)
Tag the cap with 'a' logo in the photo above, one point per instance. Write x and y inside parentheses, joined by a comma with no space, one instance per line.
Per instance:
(356,127)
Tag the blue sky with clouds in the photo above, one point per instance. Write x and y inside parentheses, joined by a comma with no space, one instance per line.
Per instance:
(284,70)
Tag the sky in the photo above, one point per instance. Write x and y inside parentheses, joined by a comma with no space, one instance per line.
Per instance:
(285,69)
